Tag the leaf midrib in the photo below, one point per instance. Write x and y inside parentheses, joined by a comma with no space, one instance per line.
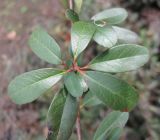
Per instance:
(30,85)
(123,58)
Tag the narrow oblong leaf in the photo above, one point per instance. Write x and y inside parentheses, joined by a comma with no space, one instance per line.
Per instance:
(73,84)
(125,36)
(44,46)
(112,121)
(81,34)
(110,16)
(112,91)
(29,86)
(105,36)
(55,114)
(68,118)
(121,58)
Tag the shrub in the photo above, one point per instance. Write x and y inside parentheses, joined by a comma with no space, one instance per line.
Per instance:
(92,83)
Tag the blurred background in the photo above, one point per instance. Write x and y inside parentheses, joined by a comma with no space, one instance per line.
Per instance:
(28,122)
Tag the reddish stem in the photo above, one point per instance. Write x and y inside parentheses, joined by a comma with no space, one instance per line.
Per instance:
(75,67)
(64,64)
(84,68)
(78,126)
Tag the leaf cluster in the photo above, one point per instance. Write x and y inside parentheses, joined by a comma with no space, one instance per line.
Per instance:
(93,83)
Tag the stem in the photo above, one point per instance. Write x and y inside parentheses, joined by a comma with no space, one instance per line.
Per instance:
(78,127)
(84,68)
(71,4)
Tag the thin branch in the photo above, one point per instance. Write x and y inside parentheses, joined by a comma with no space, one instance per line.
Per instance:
(71,3)
(78,127)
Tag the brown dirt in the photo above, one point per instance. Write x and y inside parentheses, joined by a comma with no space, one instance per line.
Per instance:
(17,19)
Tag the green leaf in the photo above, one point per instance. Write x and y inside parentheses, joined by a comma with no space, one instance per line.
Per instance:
(121,58)
(125,36)
(112,91)
(71,15)
(90,100)
(78,5)
(68,118)
(73,84)
(44,46)
(115,134)
(29,86)
(83,84)
(55,114)
(114,120)
(110,16)
(81,34)
(105,36)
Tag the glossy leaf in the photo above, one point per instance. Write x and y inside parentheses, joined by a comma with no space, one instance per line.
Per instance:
(105,36)
(68,118)
(90,100)
(55,114)
(110,16)
(78,5)
(125,36)
(44,46)
(114,120)
(81,34)
(29,86)
(121,58)
(112,91)
(73,84)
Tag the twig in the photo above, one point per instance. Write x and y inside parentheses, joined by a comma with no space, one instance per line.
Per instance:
(78,127)
(71,4)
